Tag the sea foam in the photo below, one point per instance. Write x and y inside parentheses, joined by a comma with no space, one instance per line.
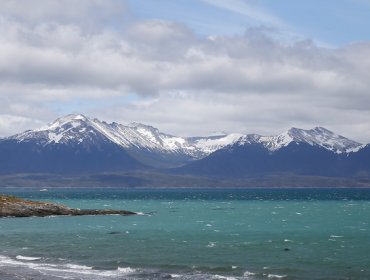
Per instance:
(24,258)
(68,270)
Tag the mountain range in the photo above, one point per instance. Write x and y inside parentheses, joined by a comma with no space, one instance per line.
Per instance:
(76,144)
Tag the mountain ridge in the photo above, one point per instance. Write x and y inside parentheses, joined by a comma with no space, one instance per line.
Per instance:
(318,136)
(77,128)
(76,143)
(143,135)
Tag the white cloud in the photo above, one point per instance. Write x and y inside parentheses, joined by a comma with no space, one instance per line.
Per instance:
(84,12)
(11,124)
(185,84)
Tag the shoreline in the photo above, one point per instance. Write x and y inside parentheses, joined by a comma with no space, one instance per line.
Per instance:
(11,206)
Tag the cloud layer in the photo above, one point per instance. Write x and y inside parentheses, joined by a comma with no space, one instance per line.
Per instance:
(96,54)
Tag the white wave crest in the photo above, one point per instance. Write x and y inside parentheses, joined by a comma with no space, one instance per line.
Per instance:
(63,270)
(276,276)
(24,258)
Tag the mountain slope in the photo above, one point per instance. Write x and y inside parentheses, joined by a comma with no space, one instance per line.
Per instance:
(70,144)
(137,144)
(315,152)
(78,144)
(318,136)
(22,157)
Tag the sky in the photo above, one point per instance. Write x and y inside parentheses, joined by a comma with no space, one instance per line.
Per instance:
(188,67)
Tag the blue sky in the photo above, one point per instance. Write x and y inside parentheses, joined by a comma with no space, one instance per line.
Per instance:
(188,67)
(333,22)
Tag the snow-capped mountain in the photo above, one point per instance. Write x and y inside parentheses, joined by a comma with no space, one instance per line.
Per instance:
(79,129)
(143,142)
(76,143)
(318,136)
(71,129)
(315,152)
(72,144)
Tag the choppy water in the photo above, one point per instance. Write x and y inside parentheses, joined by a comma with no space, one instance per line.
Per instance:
(193,234)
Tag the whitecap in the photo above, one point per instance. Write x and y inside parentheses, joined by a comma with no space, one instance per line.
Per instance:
(24,258)
(273,276)
(126,270)
(76,266)
(211,244)
(64,270)
(224,277)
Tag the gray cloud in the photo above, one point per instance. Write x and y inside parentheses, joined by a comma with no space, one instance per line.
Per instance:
(86,13)
(168,76)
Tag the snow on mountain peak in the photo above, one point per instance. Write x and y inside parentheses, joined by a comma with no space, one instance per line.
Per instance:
(318,136)
(324,138)
(71,117)
(74,119)
(208,145)
(77,128)
(62,129)
(148,131)
(138,125)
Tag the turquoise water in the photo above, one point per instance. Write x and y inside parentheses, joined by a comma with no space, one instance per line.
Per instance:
(193,234)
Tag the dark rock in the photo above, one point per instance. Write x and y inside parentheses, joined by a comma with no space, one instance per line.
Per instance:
(16,207)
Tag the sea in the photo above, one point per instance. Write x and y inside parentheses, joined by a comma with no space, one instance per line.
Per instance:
(192,234)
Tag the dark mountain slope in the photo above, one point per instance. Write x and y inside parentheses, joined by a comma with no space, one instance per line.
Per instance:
(254,159)
(60,158)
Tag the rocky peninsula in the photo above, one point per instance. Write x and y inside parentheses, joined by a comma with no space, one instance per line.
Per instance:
(11,206)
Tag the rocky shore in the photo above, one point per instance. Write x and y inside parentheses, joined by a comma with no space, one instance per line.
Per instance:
(11,206)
